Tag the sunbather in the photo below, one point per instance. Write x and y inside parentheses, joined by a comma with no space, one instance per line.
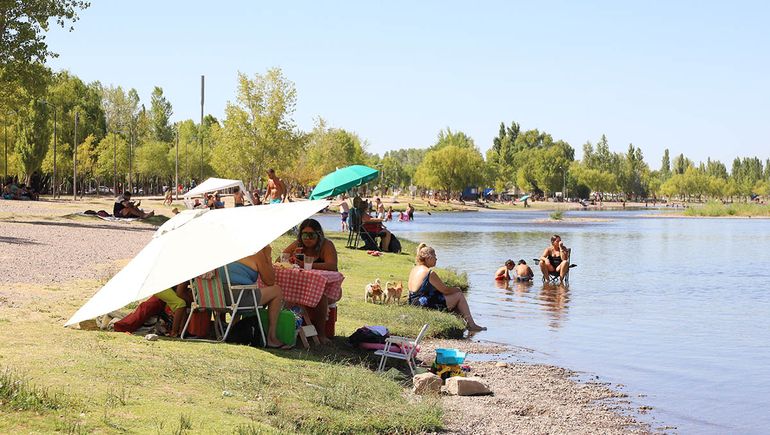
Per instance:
(125,208)
(427,290)
(245,272)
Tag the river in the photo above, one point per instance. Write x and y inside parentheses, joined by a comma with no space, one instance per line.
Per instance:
(676,311)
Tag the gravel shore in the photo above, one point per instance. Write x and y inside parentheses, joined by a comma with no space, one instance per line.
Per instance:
(39,245)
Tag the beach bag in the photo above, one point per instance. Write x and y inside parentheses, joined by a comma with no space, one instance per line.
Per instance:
(367,335)
(246,331)
(395,244)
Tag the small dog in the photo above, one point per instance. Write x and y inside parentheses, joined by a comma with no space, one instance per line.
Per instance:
(394,291)
(373,291)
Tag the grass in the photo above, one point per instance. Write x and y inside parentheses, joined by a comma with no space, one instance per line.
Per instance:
(89,381)
(557,215)
(717,209)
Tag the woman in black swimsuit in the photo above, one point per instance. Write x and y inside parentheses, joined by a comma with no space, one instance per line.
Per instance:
(555,259)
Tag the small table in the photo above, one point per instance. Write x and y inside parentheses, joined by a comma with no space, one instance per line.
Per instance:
(305,287)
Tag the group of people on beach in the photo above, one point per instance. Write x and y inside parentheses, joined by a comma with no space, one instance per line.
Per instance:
(18,191)
(554,262)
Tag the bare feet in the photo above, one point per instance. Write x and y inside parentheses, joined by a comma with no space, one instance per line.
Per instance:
(476,328)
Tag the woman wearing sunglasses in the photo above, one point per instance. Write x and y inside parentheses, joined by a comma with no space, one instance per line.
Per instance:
(312,243)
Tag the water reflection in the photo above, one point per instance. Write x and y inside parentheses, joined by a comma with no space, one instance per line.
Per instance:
(555,301)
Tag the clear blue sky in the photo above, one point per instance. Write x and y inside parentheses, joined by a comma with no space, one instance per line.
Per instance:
(693,77)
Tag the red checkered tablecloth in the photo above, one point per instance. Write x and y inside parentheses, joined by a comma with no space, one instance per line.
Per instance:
(305,287)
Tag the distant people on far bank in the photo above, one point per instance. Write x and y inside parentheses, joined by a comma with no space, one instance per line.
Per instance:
(555,259)
(427,290)
(18,191)
(276,188)
(125,208)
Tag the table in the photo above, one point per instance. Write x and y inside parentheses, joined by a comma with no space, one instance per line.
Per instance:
(305,287)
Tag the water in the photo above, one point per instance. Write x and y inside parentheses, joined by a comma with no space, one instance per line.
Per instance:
(677,310)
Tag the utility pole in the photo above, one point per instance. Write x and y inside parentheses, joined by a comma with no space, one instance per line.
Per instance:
(200,128)
(55,186)
(75,161)
(5,129)
(176,165)
(115,165)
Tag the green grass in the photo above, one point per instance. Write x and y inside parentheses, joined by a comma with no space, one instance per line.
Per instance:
(89,381)
(717,209)
(557,215)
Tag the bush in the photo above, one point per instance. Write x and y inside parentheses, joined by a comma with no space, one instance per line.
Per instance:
(557,215)
(453,278)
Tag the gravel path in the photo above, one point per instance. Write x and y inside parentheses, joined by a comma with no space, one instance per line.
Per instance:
(40,251)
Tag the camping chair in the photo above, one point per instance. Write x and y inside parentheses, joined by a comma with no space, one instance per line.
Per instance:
(407,353)
(211,294)
(553,277)
(356,231)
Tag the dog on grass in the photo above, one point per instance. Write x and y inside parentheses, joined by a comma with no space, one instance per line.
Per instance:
(373,292)
(393,292)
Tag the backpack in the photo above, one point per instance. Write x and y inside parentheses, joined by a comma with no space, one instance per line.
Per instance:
(366,335)
(395,244)
(246,331)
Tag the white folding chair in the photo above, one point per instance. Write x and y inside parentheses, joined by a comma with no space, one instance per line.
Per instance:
(407,352)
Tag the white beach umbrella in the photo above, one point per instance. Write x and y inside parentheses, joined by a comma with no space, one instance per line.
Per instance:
(192,243)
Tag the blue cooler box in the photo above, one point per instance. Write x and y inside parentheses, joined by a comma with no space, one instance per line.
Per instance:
(449,356)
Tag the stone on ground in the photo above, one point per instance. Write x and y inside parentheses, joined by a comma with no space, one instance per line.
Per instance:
(426,383)
(472,386)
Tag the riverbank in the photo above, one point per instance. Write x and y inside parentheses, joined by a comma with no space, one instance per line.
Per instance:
(72,381)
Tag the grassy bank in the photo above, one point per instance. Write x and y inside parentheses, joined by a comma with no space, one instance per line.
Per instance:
(58,379)
(717,209)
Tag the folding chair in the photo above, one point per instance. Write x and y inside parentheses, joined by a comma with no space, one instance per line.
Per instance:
(407,353)
(356,231)
(553,277)
(211,293)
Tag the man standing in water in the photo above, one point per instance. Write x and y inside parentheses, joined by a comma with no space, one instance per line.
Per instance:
(276,189)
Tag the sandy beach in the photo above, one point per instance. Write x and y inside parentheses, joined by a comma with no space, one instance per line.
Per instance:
(42,253)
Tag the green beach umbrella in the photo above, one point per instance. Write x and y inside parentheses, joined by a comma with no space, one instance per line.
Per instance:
(342,180)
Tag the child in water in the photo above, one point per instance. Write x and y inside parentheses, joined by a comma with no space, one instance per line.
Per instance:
(502,273)
(523,272)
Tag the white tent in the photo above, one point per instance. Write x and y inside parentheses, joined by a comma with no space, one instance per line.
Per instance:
(214,184)
(191,243)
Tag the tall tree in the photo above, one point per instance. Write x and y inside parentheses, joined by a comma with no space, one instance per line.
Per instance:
(448,137)
(32,138)
(665,165)
(160,116)
(23,49)
(451,168)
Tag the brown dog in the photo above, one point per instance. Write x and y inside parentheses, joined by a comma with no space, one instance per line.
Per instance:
(373,291)
(394,292)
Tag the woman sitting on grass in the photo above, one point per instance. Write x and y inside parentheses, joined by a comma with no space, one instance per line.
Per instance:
(427,290)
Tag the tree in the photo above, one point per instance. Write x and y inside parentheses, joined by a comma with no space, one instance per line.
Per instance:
(258,131)
(447,137)
(160,116)
(32,138)
(450,168)
(23,49)
(665,165)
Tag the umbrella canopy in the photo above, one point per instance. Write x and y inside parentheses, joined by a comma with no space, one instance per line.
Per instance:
(524,198)
(191,243)
(214,184)
(343,180)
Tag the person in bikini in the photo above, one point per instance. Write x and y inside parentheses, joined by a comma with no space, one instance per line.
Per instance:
(276,188)
(555,259)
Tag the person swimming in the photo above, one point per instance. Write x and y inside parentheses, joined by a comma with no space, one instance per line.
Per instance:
(502,273)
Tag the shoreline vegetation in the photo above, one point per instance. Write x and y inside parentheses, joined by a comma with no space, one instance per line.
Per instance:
(76,381)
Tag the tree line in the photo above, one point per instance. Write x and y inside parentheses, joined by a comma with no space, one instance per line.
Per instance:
(56,126)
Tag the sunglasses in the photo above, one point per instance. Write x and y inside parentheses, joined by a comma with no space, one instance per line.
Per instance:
(306,235)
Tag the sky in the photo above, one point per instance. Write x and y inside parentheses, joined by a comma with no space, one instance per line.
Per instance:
(690,76)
